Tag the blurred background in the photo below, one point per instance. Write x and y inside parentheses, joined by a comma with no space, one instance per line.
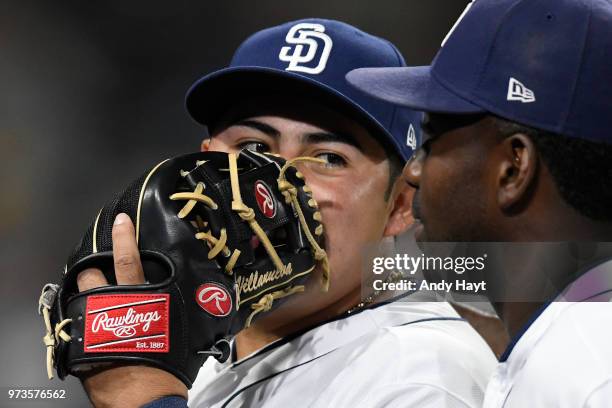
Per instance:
(91,93)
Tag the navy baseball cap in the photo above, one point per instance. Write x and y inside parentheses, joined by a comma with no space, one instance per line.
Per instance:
(310,57)
(542,63)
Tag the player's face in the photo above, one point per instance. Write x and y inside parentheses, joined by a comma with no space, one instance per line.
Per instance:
(453,198)
(349,188)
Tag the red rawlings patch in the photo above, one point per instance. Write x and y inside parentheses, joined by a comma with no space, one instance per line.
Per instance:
(214,299)
(264,199)
(133,323)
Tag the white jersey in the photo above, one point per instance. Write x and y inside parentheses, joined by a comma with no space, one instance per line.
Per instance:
(402,354)
(564,358)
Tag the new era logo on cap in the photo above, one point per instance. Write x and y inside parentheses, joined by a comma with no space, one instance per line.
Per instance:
(411,140)
(303,49)
(560,50)
(519,92)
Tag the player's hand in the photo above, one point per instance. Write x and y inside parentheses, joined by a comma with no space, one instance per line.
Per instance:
(126,258)
(125,385)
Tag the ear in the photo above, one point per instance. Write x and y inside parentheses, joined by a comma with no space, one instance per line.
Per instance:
(517,173)
(205,146)
(400,218)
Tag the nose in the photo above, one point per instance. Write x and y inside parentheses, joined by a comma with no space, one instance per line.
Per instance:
(414,167)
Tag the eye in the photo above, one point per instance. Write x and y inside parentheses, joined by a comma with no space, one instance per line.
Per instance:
(331,160)
(254,146)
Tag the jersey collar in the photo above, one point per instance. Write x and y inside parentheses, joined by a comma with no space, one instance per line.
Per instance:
(330,335)
(593,286)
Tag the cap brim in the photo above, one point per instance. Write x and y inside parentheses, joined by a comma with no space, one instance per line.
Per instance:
(210,97)
(412,87)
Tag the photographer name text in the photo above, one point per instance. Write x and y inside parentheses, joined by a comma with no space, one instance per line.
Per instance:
(459,285)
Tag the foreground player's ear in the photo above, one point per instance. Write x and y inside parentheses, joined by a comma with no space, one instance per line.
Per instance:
(401,217)
(205,146)
(517,170)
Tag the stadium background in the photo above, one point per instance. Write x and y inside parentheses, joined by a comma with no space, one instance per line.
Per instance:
(92,92)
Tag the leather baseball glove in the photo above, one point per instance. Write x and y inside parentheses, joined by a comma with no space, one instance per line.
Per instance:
(222,237)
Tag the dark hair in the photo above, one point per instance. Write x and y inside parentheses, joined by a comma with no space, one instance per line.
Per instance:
(581,169)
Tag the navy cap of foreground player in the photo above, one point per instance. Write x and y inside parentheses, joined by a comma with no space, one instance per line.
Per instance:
(310,58)
(543,63)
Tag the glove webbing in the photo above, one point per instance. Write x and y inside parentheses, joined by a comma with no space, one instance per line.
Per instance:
(247,214)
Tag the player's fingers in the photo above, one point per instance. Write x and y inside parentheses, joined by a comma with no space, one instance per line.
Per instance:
(128,268)
(90,278)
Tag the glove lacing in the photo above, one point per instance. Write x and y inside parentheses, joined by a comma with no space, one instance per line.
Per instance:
(52,337)
(265,303)
(289,191)
(218,245)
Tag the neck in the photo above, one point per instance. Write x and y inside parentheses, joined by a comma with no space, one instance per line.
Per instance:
(517,293)
(287,320)
(516,314)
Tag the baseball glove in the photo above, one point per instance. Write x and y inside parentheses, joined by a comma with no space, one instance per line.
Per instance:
(221,238)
